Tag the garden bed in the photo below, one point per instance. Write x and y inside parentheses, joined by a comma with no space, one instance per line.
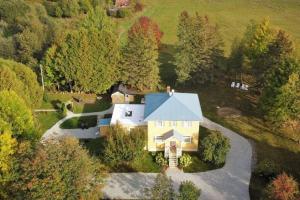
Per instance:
(80,122)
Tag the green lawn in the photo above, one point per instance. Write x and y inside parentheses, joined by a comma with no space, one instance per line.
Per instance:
(198,165)
(78,122)
(232,16)
(88,103)
(46,120)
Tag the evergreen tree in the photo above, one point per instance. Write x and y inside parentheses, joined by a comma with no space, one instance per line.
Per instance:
(139,65)
(280,98)
(199,49)
(162,189)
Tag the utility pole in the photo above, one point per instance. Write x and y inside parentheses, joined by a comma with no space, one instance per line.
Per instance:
(41,70)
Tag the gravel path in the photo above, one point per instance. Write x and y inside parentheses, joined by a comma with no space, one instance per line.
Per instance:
(228,183)
(92,132)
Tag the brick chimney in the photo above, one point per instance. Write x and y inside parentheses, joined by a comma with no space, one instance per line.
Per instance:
(168,89)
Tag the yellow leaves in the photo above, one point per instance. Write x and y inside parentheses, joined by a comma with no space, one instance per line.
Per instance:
(7,149)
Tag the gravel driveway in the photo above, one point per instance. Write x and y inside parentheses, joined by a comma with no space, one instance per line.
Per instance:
(228,183)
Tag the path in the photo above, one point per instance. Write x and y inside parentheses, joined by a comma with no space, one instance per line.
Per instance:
(228,183)
(56,131)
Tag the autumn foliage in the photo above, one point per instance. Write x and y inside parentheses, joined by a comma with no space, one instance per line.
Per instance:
(147,27)
(283,187)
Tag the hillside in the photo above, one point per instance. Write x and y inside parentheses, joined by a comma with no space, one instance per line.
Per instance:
(232,16)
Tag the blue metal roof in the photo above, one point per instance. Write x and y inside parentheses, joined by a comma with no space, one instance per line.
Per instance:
(104,122)
(174,107)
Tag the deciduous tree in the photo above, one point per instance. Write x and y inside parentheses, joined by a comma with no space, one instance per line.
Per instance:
(188,190)
(162,188)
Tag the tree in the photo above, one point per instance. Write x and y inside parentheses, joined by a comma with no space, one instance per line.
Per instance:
(283,187)
(199,49)
(188,191)
(280,96)
(86,60)
(214,148)
(139,65)
(61,168)
(14,111)
(122,146)
(146,26)
(162,189)
(21,79)
(7,147)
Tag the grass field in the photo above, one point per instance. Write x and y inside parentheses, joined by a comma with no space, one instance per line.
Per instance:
(79,122)
(232,16)
(46,120)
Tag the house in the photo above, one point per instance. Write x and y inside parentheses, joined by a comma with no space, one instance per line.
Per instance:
(172,120)
(121,94)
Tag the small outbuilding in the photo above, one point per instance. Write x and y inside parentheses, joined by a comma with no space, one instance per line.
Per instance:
(121,94)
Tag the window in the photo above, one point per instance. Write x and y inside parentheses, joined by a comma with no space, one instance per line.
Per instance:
(187,139)
(159,124)
(158,139)
(187,124)
(173,123)
(128,114)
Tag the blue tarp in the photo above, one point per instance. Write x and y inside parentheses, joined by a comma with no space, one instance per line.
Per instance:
(104,122)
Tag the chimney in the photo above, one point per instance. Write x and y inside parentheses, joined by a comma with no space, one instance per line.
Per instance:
(168,89)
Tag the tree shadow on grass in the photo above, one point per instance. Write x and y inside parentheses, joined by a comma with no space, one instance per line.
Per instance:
(166,59)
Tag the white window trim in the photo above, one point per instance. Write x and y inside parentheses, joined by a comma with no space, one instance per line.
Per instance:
(187,137)
(159,124)
(173,123)
(158,139)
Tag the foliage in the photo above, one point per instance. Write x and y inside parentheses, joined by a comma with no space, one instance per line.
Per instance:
(122,146)
(280,98)
(147,27)
(61,167)
(214,148)
(139,65)
(86,60)
(14,111)
(160,159)
(199,49)
(283,187)
(124,12)
(80,122)
(162,188)
(21,79)
(188,191)
(267,168)
(7,147)
(68,8)
(185,160)
(138,7)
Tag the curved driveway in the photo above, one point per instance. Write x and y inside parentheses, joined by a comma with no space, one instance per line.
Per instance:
(228,183)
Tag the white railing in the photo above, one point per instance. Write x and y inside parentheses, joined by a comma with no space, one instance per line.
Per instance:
(167,151)
(178,152)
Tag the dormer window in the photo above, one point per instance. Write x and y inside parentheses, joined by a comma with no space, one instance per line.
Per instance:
(128,113)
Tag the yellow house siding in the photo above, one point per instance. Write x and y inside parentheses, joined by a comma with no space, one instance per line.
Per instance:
(192,131)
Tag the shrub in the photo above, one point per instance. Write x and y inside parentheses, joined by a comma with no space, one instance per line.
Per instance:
(283,187)
(162,189)
(267,169)
(123,147)
(214,148)
(185,160)
(123,12)
(188,190)
(161,160)
(138,7)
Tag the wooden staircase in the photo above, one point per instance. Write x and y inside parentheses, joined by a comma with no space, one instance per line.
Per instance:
(173,161)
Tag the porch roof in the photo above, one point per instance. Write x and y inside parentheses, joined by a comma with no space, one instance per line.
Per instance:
(175,134)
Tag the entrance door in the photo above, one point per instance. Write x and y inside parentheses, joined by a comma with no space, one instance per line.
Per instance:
(173,146)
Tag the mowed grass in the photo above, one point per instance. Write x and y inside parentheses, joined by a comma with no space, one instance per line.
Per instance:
(80,122)
(46,120)
(89,102)
(232,16)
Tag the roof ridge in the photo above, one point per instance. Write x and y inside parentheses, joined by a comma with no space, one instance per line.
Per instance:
(186,106)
